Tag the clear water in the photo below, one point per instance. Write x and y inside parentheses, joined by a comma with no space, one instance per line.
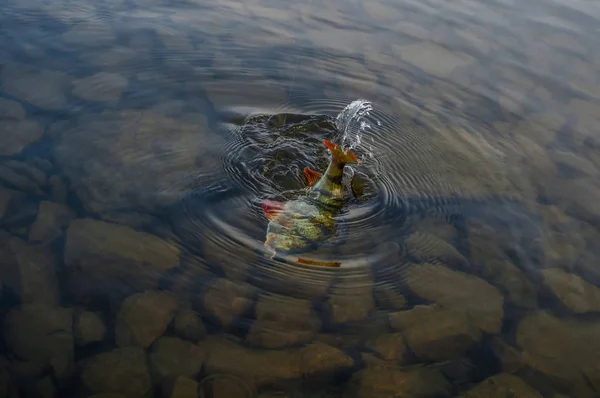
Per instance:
(139,138)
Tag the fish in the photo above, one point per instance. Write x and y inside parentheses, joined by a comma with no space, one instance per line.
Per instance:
(302,224)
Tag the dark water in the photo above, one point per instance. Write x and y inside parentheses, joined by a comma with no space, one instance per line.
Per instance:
(138,140)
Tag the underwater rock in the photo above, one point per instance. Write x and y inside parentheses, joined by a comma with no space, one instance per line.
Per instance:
(11,110)
(174,41)
(120,371)
(384,382)
(282,321)
(426,247)
(256,366)
(578,197)
(575,293)
(227,387)
(434,333)
(562,239)
(45,387)
(502,385)
(184,387)
(20,181)
(89,328)
(482,302)
(42,88)
(52,219)
(104,250)
(388,297)
(225,300)
(42,335)
(127,159)
(28,271)
(108,395)
(542,128)
(318,358)
(89,34)
(58,189)
(509,357)
(6,196)
(188,325)
(31,170)
(100,87)
(171,357)
(564,350)
(144,317)
(433,59)
(574,164)
(351,298)
(389,346)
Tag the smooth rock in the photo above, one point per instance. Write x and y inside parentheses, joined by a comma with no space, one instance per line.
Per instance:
(434,333)
(351,298)
(188,325)
(6,195)
(502,386)
(101,249)
(121,371)
(386,382)
(58,189)
(11,110)
(171,357)
(388,297)
(427,247)
(89,328)
(566,351)
(100,87)
(578,197)
(320,358)
(29,271)
(575,293)
(45,387)
(29,169)
(52,220)
(509,357)
(225,300)
(482,302)
(90,34)
(20,181)
(256,366)
(184,387)
(388,346)
(42,335)
(40,87)
(223,387)
(144,317)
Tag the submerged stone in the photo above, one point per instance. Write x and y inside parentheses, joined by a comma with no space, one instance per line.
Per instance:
(389,346)
(52,220)
(351,298)
(100,87)
(188,325)
(502,386)
(319,358)
(171,357)
(20,181)
(426,247)
(226,300)
(89,328)
(575,293)
(144,317)
(184,387)
(11,110)
(40,87)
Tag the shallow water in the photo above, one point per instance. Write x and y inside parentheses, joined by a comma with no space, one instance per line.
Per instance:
(139,139)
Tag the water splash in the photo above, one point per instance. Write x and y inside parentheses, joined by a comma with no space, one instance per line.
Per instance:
(353,122)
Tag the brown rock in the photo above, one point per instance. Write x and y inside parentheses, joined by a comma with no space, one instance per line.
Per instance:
(144,317)
(319,358)
(102,249)
(189,325)
(171,357)
(387,296)
(502,386)
(89,328)
(58,189)
(42,88)
(42,335)
(351,298)
(45,387)
(100,87)
(20,181)
(434,333)
(388,346)
(226,300)
(121,371)
(29,271)
(509,357)
(386,382)
(482,302)
(52,219)
(575,293)
(227,387)
(427,247)
(184,387)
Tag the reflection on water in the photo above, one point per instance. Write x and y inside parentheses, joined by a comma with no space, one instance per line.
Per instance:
(139,139)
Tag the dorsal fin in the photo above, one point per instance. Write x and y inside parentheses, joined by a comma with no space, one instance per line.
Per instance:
(271,208)
(312,176)
(332,264)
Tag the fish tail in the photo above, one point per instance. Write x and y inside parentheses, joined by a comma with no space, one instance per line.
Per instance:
(340,155)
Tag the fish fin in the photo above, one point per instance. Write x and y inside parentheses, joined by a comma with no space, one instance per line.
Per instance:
(271,208)
(332,264)
(312,176)
(340,155)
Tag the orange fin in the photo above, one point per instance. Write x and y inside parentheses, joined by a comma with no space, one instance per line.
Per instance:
(340,155)
(312,176)
(271,208)
(333,264)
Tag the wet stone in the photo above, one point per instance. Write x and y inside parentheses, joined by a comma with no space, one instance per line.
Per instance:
(574,292)
(389,346)
(226,300)
(482,302)
(188,325)
(20,181)
(184,387)
(42,88)
(171,357)
(58,189)
(387,296)
(578,197)
(319,358)
(509,357)
(100,87)
(45,387)
(562,239)
(351,298)
(144,317)
(6,196)
(426,247)
(41,335)
(120,371)
(502,386)
(434,333)
(229,388)
(11,110)
(385,382)
(28,169)
(88,328)
(28,271)
(52,220)
(103,250)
